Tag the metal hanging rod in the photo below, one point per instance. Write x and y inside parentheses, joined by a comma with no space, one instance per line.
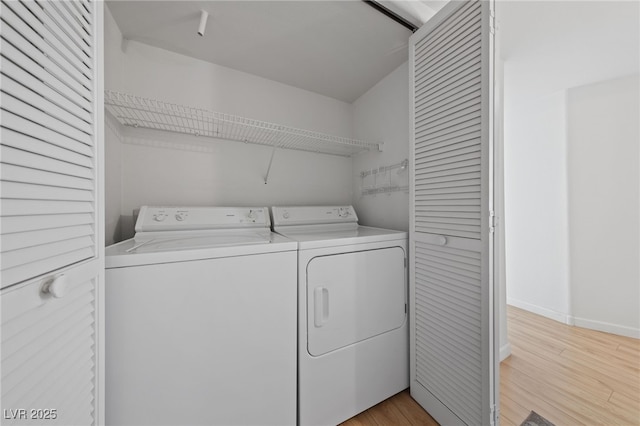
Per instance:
(399,19)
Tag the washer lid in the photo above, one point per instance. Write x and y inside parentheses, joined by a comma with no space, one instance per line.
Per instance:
(145,243)
(165,247)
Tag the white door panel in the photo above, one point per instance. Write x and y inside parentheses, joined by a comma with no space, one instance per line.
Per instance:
(452,344)
(354,296)
(51,212)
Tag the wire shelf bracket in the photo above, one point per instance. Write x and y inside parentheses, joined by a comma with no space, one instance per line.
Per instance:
(136,111)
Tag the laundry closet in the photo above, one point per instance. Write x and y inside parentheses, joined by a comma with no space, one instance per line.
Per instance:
(404,141)
(146,167)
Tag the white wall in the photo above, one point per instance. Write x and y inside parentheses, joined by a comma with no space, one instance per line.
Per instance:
(604,213)
(163,168)
(572,195)
(536,217)
(382,114)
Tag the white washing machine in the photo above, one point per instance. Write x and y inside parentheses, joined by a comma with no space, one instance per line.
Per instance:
(353,341)
(201,320)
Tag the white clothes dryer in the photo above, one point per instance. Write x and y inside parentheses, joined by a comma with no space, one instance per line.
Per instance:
(352,312)
(201,320)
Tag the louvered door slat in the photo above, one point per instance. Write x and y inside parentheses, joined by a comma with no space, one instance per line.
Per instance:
(20,240)
(22,158)
(465,181)
(25,94)
(79,20)
(42,266)
(29,35)
(452,363)
(450,190)
(446,63)
(456,327)
(444,381)
(460,32)
(452,302)
(20,379)
(462,65)
(449,180)
(452,215)
(451,108)
(42,320)
(33,62)
(429,140)
(22,108)
(62,34)
(37,207)
(468,125)
(447,167)
(452,220)
(26,256)
(30,191)
(456,283)
(451,334)
(75,396)
(452,99)
(460,18)
(28,80)
(467,153)
(459,84)
(452,144)
(11,224)
(48,145)
(86,15)
(73,27)
(48,352)
(12,173)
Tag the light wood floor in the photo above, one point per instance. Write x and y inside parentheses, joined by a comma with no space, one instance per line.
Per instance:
(569,375)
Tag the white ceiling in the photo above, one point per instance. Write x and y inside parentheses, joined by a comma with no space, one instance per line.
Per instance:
(555,45)
(336,48)
(342,48)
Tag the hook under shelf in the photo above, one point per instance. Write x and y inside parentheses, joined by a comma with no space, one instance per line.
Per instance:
(273,152)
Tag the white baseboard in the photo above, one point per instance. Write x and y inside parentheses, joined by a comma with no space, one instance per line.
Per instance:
(607,327)
(548,313)
(505,351)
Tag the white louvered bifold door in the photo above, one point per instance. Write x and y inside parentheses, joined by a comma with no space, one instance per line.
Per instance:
(50,219)
(452,344)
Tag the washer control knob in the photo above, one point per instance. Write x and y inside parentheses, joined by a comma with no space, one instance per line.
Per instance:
(159,217)
(180,217)
(285,215)
(343,212)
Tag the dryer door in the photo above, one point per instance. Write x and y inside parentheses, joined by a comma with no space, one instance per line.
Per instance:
(354,296)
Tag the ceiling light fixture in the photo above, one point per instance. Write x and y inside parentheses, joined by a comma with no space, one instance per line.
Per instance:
(203,22)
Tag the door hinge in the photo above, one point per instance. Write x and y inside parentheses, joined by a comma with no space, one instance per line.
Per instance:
(492,221)
(492,23)
(495,414)
(405,263)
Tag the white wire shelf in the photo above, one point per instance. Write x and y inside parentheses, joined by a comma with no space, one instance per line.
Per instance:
(135,111)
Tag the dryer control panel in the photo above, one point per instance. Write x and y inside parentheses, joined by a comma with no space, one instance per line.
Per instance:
(194,218)
(313,215)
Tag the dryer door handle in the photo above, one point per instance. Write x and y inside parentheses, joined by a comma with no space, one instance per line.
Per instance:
(321,306)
